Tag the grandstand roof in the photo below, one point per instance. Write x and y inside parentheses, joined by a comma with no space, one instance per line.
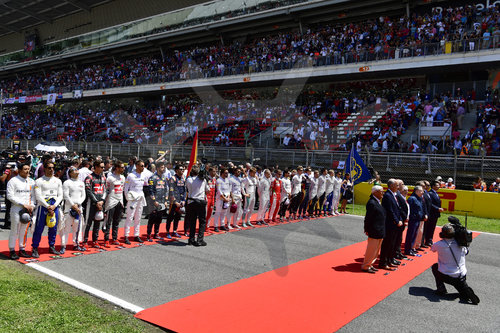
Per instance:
(18,15)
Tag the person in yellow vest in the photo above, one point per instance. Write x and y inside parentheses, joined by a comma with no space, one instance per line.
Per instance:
(476,145)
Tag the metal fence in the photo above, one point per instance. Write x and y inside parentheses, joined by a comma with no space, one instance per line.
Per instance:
(410,167)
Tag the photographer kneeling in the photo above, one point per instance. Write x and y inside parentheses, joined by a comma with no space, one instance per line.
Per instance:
(451,265)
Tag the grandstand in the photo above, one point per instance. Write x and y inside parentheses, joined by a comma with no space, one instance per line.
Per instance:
(374,72)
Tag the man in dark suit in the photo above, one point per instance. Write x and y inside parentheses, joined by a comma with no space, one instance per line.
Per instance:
(426,198)
(392,222)
(434,213)
(404,211)
(374,228)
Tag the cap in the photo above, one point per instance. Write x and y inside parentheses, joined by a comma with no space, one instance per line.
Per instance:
(450,180)
(439,178)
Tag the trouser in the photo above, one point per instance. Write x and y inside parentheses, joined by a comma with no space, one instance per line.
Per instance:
(372,249)
(459,283)
(304,204)
(429,228)
(263,205)
(399,239)
(295,202)
(154,221)
(283,208)
(41,216)
(71,225)
(418,241)
(319,204)
(210,210)
(18,230)
(91,223)
(8,205)
(411,235)
(174,215)
(220,214)
(312,204)
(335,202)
(134,214)
(249,207)
(233,218)
(327,205)
(196,210)
(387,249)
(275,206)
(113,217)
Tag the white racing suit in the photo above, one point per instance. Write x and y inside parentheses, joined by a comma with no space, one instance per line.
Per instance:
(249,186)
(20,192)
(221,208)
(74,193)
(135,201)
(264,191)
(237,198)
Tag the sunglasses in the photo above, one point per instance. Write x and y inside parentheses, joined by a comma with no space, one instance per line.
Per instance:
(49,168)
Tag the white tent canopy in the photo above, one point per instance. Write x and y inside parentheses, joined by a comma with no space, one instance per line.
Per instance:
(51,147)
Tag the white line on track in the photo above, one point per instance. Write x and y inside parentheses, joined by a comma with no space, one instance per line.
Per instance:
(88,289)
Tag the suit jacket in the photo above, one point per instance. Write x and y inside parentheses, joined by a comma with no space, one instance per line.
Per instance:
(417,208)
(403,207)
(375,219)
(427,203)
(435,205)
(392,211)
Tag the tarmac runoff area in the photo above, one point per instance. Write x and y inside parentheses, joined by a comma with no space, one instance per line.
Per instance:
(147,276)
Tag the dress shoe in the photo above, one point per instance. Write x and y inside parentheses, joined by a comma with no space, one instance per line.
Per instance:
(202,243)
(441,291)
(138,239)
(396,262)
(375,269)
(424,246)
(53,250)
(392,265)
(34,253)
(216,229)
(23,254)
(411,254)
(403,256)
(369,270)
(224,228)
(13,255)
(387,268)
(420,250)
(127,241)
(192,242)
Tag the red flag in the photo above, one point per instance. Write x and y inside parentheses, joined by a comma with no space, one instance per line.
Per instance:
(194,153)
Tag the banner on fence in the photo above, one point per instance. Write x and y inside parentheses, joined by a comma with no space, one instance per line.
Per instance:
(480,204)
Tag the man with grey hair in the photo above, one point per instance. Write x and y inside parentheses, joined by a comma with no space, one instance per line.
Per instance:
(417,215)
(393,221)
(404,209)
(374,228)
(450,267)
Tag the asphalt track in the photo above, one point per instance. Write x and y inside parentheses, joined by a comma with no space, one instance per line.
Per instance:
(152,275)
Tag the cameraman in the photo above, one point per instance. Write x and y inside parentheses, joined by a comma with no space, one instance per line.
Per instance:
(450,267)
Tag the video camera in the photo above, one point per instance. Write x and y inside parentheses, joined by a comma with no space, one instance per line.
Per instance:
(462,235)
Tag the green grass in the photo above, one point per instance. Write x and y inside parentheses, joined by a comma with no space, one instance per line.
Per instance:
(473,223)
(32,302)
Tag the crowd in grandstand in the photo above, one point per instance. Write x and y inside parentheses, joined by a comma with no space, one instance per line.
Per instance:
(323,44)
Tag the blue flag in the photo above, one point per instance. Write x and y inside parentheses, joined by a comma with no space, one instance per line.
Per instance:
(356,168)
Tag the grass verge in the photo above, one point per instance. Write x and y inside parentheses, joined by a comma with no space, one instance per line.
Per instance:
(473,223)
(33,302)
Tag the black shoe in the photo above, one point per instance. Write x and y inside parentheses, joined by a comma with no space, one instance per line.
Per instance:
(403,256)
(202,243)
(138,239)
(13,255)
(411,254)
(34,253)
(396,262)
(127,241)
(23,254)
(62,250)
(398,256)
(441,291)
(53,250)
(192,242)
(224,228)
(420,249)
(216,229)
(424,246)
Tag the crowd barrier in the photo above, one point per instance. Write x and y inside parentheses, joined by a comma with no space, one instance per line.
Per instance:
(460,202)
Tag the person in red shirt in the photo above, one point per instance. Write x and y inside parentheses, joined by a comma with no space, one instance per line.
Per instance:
(275,196)
(211,194)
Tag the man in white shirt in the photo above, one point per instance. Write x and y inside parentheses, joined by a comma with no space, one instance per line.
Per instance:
(313,194)
(222,200)
(236,199)
(450,267)
(264,196)
(74,196)
(21,193)
(196,207)
(321,191)
(249,187)
(297,194)
(337,186)
(115,183)
(49,195)
(286,194)
(327,205)
(135,201)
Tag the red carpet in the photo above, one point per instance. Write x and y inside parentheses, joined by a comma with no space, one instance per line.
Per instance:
(320,294)
(43,249)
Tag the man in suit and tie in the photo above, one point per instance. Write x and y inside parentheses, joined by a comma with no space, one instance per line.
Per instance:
(374,228)
(404,211)
(434,213)
(392,222)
